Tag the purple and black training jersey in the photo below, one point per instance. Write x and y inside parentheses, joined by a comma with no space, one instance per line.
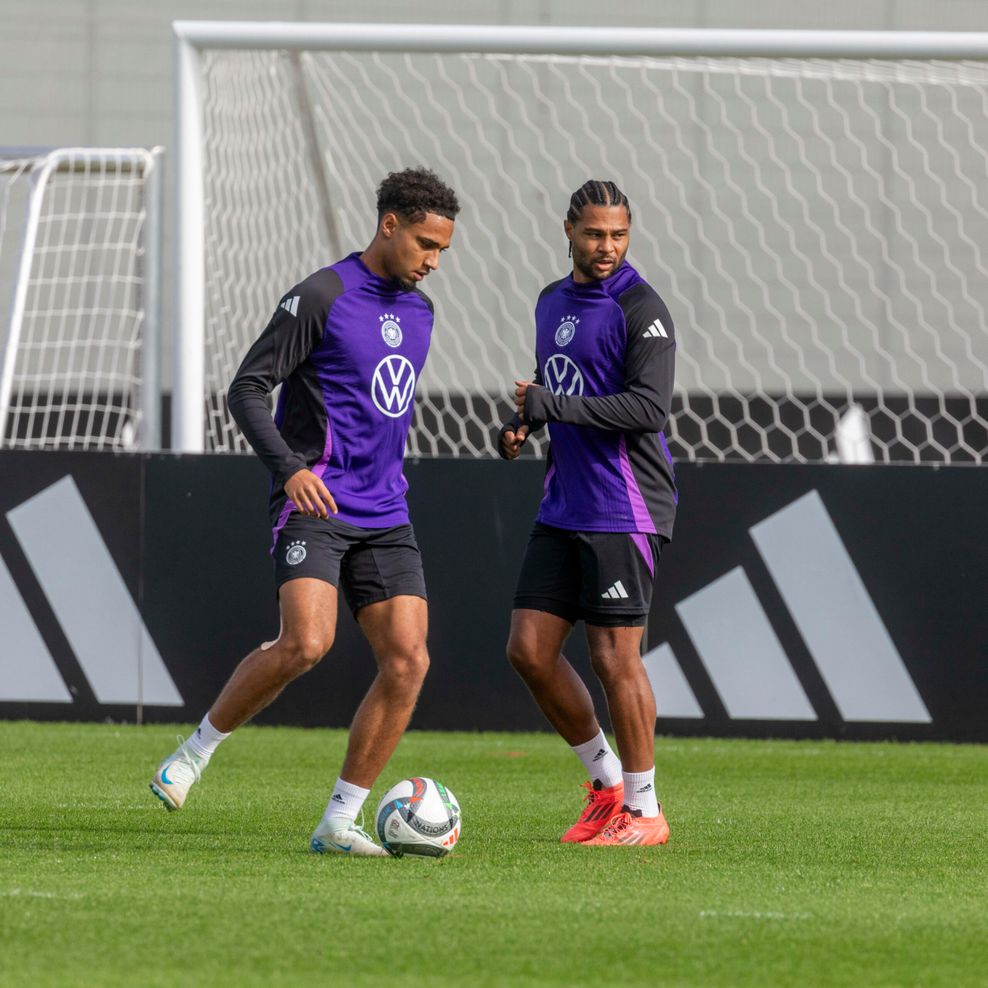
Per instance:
(606,360)
(347,347)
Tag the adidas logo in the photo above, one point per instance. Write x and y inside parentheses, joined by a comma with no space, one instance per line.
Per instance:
(291,305)
(80,578)
(656,329)
(337,798)
(749,668)
(615,592)
(645,788)
(600,754)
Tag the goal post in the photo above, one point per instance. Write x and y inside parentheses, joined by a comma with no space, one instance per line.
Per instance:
(811,205)
(80,244)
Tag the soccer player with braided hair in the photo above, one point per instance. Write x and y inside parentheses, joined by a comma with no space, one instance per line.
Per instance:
(346,345)
(605,353)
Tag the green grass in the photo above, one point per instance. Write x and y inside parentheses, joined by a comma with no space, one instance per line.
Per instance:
(803,864)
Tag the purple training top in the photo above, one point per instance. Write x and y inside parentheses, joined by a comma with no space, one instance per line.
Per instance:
(606,361)
(347,348)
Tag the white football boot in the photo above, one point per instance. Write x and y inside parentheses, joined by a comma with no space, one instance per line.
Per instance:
(175,777)
(340,835)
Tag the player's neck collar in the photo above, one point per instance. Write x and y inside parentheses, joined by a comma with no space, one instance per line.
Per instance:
(612,284)
(387,286)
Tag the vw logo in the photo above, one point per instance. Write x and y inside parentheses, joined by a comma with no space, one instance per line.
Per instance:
(393,385)
(562,376)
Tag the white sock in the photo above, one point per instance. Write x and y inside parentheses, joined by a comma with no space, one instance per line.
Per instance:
(205,741)
(599,760)
(346,801)
(639,792)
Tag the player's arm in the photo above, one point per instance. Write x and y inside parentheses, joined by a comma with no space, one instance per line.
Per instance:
(644,403)
(285,343)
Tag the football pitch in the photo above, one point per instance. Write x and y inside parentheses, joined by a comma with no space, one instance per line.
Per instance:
(790,863)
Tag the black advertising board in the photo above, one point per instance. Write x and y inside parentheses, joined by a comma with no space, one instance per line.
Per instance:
(799,601)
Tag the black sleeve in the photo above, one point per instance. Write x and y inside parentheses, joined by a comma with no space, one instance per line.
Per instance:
(294,331)
(514,422)
(650,358)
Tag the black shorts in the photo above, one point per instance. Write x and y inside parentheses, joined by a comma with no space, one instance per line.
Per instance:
(373,563)
(603,577)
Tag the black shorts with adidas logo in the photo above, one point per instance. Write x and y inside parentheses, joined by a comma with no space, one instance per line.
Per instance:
(605,578)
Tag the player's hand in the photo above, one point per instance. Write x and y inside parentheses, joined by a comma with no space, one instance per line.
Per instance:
(512,442)
(521,389)
(310,495)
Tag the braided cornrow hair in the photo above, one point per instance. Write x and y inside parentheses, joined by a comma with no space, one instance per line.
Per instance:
(596,193)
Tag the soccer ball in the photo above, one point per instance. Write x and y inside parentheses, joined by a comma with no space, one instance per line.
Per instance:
(418,816)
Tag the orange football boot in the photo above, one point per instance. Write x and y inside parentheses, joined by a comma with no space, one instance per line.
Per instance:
(600,805)
(627,828)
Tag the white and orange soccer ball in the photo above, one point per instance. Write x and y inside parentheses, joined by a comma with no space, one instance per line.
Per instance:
(418,817)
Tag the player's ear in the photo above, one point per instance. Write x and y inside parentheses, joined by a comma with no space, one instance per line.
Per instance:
(568,230)
(388,225)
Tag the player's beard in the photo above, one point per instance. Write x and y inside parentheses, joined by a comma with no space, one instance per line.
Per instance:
(585,267)
(584,264)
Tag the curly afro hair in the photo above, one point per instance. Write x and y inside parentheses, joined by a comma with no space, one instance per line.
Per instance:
(414,192)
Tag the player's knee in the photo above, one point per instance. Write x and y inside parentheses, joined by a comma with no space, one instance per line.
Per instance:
(614,667)
(407,667)
(523,658)
(304,650)
(606,665)
(416,665)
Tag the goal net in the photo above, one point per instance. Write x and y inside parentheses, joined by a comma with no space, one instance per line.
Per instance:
(817,226)
(79,242)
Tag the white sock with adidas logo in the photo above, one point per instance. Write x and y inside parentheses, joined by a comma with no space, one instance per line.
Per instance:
(599,760)
(639,792)
(346,801)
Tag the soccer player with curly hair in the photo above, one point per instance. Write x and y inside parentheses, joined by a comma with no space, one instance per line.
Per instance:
(346,345)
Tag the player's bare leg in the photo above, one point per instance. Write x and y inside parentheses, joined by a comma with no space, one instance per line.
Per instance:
(308,626)
(396,630)
(615,654)
(535,652)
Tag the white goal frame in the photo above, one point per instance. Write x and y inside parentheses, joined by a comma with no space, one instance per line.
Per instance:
(192,38)
(46,165)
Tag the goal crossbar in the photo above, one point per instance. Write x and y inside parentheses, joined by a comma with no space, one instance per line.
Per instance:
(532,39)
